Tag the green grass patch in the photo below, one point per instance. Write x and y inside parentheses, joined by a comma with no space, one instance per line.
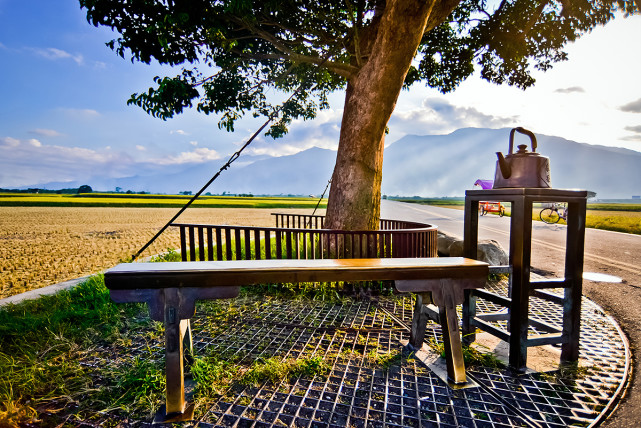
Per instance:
(42,342)
(137,385)
(274,370)
(476,355)
(153,201)
(615,207)
(614,222)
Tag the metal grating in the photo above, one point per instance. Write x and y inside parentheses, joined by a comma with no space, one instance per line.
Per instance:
(361,392)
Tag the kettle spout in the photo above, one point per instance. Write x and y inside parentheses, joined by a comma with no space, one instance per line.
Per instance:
(506,170)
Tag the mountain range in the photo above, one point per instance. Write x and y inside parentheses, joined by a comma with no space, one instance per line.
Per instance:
(421,165)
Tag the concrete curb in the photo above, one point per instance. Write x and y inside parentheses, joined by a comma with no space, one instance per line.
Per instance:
(44,291)
(54,288)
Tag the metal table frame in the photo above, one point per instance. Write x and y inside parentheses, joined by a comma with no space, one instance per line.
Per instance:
(521,286)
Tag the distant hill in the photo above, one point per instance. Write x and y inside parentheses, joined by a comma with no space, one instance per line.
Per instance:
(422,165)
(447,165)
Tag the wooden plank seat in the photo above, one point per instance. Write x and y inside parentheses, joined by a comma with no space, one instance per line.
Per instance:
(171,290)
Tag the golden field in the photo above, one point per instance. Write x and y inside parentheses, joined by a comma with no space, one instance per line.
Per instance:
(40,246)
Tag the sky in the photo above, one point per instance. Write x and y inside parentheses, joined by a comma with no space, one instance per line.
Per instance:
(64,117)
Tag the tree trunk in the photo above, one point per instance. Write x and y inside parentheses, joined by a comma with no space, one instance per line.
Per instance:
(355,195)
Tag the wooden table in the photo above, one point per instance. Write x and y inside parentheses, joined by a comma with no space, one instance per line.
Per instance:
(521,286)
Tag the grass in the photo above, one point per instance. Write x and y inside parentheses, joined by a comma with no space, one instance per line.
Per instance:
(274,370)
(472,356)
(42,342)
(152,201)
(627,222)
(46,344)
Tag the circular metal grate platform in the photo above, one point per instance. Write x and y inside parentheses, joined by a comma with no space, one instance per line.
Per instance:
(353,337)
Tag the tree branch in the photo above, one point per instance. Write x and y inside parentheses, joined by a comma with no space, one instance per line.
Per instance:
(441,10)
(343,70)
(535,17)
(356,39)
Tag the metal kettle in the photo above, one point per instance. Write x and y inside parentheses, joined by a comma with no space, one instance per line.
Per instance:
(523,168)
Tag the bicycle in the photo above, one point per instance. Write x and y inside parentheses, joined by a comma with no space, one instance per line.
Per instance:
(552,215)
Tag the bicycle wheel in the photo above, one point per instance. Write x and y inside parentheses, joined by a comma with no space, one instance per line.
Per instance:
(549,216)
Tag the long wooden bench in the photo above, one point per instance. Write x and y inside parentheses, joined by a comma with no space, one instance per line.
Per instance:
(171,290)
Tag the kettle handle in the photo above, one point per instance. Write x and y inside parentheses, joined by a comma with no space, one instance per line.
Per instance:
(525,132)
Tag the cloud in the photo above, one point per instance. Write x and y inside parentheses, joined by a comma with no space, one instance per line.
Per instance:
(179,132)
(46,132)
(321,132)
(26,162)
(198,155)
(636,129)
(439,116)
(570,90)
(140,148)
(632,107)
(9,142)
(193,143)
(633,138)
(57,54)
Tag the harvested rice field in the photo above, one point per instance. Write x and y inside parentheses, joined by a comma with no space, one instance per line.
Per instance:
(40,246)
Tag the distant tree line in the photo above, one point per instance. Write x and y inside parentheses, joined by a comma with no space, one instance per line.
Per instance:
(82,189)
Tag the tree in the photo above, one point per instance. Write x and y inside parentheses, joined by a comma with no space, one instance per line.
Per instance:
(85,188)
(232,51)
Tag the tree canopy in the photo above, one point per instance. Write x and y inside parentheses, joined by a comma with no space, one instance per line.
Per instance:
(233,51)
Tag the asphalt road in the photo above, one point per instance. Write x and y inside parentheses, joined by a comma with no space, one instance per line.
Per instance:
(611,253)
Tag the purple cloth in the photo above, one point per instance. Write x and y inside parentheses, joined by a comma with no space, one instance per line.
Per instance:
(485,184)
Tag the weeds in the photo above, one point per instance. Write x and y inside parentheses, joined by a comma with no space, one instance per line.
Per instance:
(471,355)
(212,374)
(12,413)
(275,369)
(387,359)
(171,255)
(136,385)
(42,342)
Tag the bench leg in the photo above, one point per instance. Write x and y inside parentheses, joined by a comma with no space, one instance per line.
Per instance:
(446,294)
(175,408)
(452,345)
(419,322)
(174,368)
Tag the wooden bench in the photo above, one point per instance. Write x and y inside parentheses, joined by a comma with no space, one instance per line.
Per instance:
(171,290)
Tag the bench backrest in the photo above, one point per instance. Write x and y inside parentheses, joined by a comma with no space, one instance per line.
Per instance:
(297,237)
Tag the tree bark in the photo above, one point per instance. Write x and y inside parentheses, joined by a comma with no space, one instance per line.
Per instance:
(371,95)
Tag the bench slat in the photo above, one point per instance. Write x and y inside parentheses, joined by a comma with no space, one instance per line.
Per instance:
(245,272)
